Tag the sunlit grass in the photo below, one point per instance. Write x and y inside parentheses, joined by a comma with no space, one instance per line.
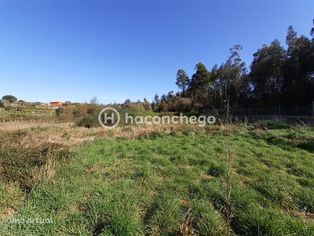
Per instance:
(180,184)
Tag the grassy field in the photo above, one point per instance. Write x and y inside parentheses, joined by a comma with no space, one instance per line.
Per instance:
(242,181)
(27,113)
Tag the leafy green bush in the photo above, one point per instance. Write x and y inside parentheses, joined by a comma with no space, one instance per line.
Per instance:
(59,111)
(88,121)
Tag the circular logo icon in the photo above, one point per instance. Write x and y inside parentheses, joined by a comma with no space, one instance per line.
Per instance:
(109,118)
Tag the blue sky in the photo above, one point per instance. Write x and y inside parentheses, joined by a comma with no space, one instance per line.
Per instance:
(114,50)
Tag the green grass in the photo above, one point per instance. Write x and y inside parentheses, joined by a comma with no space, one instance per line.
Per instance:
(27,114)
(180,185)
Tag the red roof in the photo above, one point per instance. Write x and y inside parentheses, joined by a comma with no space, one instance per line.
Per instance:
(56,104)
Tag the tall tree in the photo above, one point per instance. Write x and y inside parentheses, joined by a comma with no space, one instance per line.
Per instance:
(267,73)
(156,99)
(9,98)
(182,80)
(291,36)
(229,77)
(299,71)
(156,103)
(199,85)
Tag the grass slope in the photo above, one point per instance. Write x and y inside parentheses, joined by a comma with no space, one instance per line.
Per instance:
(244,183)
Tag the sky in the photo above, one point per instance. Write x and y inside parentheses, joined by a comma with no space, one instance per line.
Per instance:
(73,50)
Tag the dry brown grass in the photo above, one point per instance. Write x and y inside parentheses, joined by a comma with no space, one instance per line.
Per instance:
(48,170)
(27,155)
(186,228)
(39,133)
(20,125)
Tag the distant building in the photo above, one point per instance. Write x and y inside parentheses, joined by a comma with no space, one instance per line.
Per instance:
(56,104)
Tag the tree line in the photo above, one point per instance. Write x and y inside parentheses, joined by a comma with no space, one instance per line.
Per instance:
(276,77)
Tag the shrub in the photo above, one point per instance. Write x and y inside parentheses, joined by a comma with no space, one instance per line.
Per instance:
(88,121)
(75,112)
(91,109)
(59,111)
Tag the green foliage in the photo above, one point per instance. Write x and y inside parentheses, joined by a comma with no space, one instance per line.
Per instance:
(88,121)
(199,82)
(9,98)
(182,80)
(277,78)
(59,111)
(82,114)
(136,106)
(267,72)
